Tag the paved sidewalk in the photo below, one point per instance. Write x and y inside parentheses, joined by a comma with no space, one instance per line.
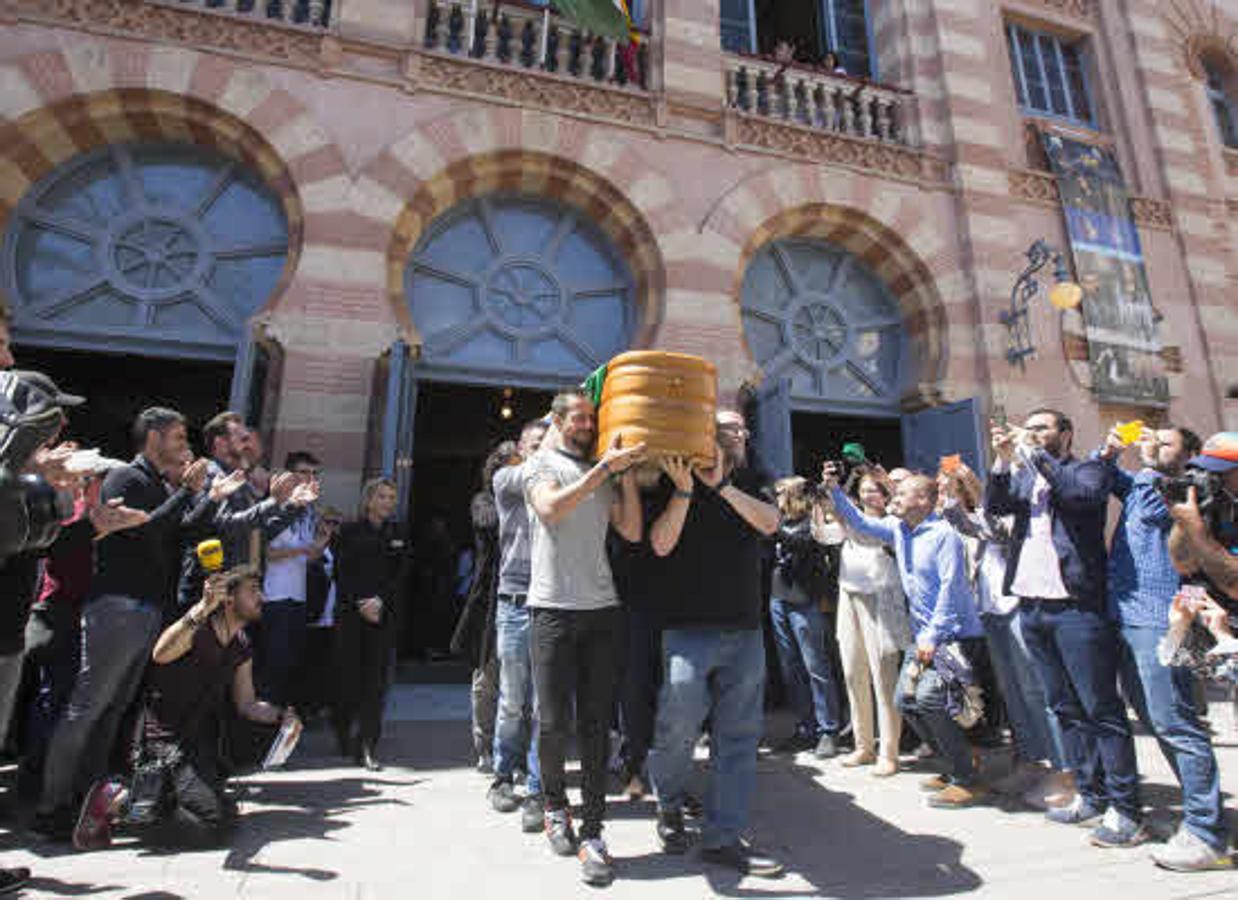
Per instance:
(422,829)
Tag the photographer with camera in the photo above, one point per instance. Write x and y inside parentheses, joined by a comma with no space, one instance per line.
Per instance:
(1204,540)
(805,586)
(1142,585)
(177,792)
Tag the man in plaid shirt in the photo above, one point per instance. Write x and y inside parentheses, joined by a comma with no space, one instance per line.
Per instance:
(1142,585)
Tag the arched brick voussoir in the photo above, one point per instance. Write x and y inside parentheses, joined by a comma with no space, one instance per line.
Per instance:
(394,177)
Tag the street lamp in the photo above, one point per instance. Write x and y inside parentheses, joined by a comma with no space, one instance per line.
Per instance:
(1064,295)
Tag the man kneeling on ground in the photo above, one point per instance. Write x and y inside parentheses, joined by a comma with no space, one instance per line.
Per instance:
(177,793)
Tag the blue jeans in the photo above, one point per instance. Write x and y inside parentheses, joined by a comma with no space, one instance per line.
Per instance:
(1076,652)
(1036,732)
(799,635)
(515,726)
(923,705)
(719,675)
(1164,699)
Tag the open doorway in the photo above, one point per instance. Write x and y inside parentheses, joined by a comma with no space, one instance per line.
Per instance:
(455,428)
(118,387)
(817,437)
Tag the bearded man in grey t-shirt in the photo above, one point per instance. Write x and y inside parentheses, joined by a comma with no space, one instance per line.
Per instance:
(574,611)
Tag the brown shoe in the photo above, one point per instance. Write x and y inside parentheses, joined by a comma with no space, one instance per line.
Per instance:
(956,796)
(935,783)
(857,758)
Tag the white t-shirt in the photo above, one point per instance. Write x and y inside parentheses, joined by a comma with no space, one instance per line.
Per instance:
(570,569)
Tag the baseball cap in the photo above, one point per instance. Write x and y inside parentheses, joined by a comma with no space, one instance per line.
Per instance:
(45,386)
(1220,453)
(853,452)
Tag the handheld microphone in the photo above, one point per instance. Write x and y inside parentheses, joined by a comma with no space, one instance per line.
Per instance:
(211,555)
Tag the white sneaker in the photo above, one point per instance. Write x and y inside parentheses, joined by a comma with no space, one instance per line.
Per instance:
(1185,852)
(596,865)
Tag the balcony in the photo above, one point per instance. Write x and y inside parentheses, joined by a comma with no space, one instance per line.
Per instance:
(818,100)
(309,15)
(530,39)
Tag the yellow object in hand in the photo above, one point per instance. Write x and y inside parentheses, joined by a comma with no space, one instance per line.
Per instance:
(1129,432)
(211,555)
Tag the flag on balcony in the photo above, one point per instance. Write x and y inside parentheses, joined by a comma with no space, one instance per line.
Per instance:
(609,18)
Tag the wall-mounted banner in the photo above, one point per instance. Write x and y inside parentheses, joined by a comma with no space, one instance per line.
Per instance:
(1123,346)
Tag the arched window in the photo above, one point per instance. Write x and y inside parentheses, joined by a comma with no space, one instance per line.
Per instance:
(816,315)
(1216,84)
(518,289)
(156,248)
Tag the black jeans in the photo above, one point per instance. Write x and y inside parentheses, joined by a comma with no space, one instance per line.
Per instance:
(53,640)
(364,662)
(638,696)
(574,652)
(279,646)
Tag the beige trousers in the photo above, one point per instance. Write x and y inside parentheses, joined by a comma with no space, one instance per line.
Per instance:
(870,665)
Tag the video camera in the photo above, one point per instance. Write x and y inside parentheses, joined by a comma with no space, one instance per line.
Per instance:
(1216,504)
(31,509)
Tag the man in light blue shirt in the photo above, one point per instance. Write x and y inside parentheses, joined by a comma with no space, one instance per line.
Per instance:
(932,566)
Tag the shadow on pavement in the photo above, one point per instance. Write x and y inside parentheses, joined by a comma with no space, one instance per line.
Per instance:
(296,810)
(54,887)
(841,849)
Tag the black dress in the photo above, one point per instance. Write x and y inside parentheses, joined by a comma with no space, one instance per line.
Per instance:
(370,562)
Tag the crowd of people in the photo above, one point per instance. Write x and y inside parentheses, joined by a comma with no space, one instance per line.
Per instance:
(136,675)
(959,608)
(622,595)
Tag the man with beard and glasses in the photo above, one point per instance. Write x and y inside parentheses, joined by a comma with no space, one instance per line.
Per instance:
(574,613)
(1057,569)
(1142,586)
(709,539)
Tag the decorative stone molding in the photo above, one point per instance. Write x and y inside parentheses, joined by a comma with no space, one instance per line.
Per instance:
(1040,188)
(136,18)
(1080,9)
(341,337)
(1202,30)
(529,89)
(826,147)
(1035,187)
(1152,213)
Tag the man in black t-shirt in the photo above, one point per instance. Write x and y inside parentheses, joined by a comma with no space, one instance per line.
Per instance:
(708,536)
(198,660)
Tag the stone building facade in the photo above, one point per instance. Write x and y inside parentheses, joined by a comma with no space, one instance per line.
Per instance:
(857,236)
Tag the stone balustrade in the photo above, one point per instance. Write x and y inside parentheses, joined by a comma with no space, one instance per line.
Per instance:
(530,38)
(819,100)
(311,14)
